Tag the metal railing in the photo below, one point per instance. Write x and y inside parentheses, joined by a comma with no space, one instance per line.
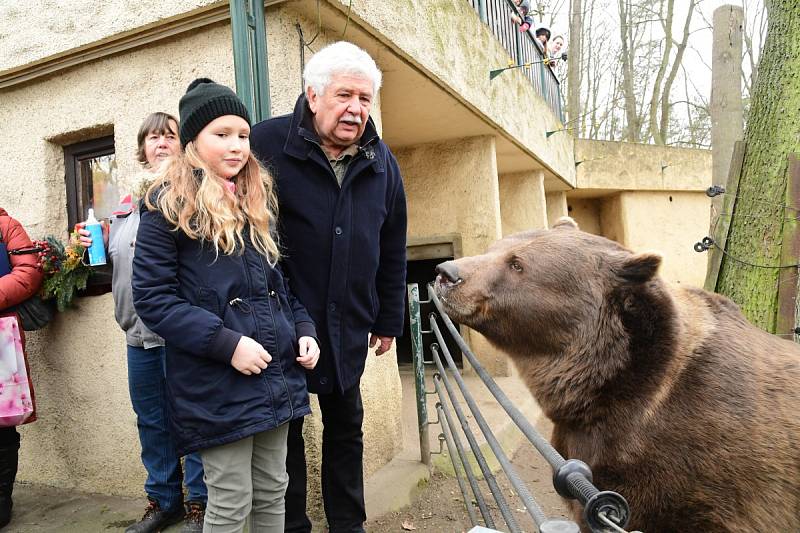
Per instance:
(522,47)
(604,511)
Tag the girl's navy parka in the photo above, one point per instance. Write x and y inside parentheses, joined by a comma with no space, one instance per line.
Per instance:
(202,304)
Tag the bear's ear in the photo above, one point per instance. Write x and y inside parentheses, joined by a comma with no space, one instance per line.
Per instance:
(640,268)
(565,223)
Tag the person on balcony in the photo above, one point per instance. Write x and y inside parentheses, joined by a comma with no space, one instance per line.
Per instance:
(522,18)
(543,36)
(554,51)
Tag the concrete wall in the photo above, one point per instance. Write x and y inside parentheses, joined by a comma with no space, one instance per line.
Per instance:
(614,165)
(522,202)
(86,437)
(646,198)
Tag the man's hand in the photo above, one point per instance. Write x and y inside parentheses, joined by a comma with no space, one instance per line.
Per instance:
(309,352)
(385,343)
(250,357)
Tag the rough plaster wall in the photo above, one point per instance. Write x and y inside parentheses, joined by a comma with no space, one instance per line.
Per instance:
(453,188)
(459,54)
(670,223)
(556,206)
(632,166)
(522,202)
(35,29)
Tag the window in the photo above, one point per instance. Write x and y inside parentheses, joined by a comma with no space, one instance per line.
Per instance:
(92,179)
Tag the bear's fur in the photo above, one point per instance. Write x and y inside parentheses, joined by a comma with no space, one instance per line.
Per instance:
(668,393)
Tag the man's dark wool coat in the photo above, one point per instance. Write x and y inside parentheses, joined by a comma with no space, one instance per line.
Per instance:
(344,247)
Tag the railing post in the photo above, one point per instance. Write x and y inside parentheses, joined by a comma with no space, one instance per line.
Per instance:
(482,13)
(415,323)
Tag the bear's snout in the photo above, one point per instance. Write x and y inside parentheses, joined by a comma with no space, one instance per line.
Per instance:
(448,271)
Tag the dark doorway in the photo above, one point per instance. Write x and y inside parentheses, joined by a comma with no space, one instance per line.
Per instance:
(423,272)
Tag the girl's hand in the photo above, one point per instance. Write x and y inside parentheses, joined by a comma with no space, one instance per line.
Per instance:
(309,352)
(250,357)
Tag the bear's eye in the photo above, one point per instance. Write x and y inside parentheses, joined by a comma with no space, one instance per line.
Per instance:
(515,266)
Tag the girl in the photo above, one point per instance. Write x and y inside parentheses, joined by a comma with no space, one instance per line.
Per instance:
(157,141)
(205,277)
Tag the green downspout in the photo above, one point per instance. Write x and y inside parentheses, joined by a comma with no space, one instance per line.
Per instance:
(250,56)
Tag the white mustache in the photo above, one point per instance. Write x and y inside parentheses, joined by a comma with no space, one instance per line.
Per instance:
(351,118)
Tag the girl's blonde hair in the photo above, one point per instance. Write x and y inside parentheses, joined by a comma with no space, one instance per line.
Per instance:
(196,201)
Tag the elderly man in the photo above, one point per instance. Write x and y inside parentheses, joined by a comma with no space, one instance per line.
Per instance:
(342,219)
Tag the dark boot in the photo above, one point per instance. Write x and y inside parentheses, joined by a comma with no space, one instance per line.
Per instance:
(155,518)
(9,457)
(195,515)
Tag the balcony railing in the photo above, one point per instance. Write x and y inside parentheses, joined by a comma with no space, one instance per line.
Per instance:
(522,47)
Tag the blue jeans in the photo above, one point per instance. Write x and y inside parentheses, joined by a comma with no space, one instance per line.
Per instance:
(147,385)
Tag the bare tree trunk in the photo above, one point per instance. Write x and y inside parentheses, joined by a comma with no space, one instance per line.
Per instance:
(574,63)
(772,133)
(663,129)
(625,32)
(656,96)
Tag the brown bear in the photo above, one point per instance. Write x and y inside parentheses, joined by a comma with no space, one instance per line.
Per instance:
(668,393)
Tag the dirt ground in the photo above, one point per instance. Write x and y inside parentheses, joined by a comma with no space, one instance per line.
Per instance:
(439,506)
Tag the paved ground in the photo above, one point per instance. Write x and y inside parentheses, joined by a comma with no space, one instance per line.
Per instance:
(400,496)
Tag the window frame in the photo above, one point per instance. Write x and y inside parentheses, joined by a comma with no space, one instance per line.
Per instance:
(74,155)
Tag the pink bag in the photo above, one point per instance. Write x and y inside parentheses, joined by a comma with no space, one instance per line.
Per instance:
(16,398)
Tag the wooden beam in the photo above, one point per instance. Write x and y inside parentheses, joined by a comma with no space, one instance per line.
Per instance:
(790,252)
(721,223)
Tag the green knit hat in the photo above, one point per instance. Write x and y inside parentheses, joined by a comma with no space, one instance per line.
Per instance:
(203,102)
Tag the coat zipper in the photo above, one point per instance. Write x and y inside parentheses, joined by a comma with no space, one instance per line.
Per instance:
(275,329)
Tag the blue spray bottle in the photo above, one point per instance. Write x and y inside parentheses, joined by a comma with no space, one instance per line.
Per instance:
(97,251)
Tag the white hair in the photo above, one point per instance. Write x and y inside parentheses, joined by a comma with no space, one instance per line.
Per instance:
(340,58)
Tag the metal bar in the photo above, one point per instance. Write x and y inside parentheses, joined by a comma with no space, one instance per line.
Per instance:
(548,452)
(448,418)
(476,450)
(448,436)
(482,11)
(415,323)
(532,507)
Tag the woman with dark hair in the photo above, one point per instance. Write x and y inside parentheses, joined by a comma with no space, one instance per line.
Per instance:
(22,281)
(157,141)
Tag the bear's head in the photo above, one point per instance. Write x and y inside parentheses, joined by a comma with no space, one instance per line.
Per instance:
(557,291)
